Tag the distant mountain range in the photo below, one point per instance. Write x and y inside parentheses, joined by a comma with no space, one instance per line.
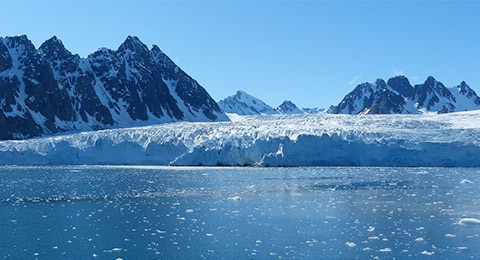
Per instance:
(398,96)
(244,104)
(51,90)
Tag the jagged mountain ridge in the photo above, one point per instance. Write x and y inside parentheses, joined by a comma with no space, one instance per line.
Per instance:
(51,90)
(398,96)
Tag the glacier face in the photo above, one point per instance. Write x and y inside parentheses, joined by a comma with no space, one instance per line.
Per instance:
(276,140)
(51,90)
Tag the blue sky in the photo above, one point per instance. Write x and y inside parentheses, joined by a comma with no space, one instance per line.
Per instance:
(310,52)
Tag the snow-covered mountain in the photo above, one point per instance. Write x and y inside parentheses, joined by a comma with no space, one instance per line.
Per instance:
(289,108)
(398,96)
(51,90)
(244,104)
(281,140)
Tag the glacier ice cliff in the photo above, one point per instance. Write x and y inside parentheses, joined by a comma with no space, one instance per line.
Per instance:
(279,140)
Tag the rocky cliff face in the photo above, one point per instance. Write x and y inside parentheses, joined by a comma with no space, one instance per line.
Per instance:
(398,96)
(51,90)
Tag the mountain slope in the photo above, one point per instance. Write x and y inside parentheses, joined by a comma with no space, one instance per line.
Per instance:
(398,96)
(51,90)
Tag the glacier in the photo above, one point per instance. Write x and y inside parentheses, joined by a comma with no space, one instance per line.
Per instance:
(268,140)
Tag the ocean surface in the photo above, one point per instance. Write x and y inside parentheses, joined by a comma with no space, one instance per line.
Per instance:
(87,212)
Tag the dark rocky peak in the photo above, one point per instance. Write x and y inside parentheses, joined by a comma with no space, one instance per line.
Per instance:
(241,93)
(12,41)
(429,85)
(361,88)
(380,84)
(366,89)
(287,103)
(431,93)
(288,107)
(401,85)
(133,44)
(19,46)
(430,81)
(102,54)
(53,49)
(465,89)
(22,55)
(432,85)
(104,63)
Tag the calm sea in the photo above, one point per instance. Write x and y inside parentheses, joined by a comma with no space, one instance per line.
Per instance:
(86,212)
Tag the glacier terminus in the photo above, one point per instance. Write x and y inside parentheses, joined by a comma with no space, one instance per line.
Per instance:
(268,140)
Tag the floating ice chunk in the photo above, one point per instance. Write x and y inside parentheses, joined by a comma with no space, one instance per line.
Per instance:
(427,253)
(113,250)
(469,221)
(350,244)
(189,211)
(385,250)
(450,235)
(420,239)
(234,198)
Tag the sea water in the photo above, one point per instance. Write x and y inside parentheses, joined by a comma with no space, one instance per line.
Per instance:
(87,212)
